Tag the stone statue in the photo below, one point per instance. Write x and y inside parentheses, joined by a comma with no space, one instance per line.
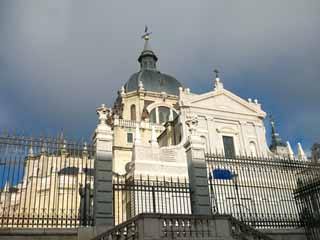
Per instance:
(103,113)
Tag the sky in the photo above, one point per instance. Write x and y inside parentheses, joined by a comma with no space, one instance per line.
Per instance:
(60,60)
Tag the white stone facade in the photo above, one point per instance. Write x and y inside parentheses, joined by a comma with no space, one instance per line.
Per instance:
(222,113)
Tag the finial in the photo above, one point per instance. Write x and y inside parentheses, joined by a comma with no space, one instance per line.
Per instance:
(122,91)
(30,153)
(217,73)
(64,148)
(272,123)
(103,113)
(140,85)
(290,151)
(217,84)
(44,148)
(146,35)
(301,155)
(85,149)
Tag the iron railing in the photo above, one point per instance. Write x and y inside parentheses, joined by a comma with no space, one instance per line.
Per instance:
(45,182)
(133,196)
(257,191)
(307,195)
(48,182)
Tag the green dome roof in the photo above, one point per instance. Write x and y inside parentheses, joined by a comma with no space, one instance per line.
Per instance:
(151,78)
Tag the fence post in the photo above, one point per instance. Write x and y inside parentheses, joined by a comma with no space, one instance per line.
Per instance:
(197,170)
(103,196)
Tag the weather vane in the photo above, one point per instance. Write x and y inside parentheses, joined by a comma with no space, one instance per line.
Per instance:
(146,34)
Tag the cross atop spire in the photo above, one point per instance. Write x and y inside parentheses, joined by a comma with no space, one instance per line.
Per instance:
(146,35)
(147,58)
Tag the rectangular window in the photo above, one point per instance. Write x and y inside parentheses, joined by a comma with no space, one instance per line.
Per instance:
(228,145)
(129,137)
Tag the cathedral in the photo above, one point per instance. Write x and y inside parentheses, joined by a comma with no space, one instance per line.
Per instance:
(158,127)
(150,123)
(162,148)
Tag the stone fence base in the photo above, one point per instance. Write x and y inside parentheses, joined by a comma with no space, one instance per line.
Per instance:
(160,226)
(184,227)
(38,234)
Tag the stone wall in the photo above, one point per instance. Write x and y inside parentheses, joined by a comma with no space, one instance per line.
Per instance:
(38,234)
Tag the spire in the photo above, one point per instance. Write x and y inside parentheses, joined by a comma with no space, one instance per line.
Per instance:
(30,152)
(64,149)
(301,155)
(44,148)
(147,57)
(276,140)
(85,150)
(290,151)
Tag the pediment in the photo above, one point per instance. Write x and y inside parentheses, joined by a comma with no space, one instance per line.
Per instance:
(225,101)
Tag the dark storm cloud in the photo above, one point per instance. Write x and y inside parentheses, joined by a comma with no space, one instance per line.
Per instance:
(59,60)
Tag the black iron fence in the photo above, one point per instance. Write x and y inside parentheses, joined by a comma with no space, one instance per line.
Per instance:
(307,195)
(48,182)
(146,194)
(45,182)
(258,191)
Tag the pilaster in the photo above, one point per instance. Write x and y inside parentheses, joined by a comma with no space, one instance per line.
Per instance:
(103,198)
(197,170)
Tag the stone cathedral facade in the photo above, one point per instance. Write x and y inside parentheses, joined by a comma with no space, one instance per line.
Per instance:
(155,117)
(150,115)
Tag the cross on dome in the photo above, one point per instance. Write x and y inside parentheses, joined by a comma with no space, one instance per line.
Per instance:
(146,35)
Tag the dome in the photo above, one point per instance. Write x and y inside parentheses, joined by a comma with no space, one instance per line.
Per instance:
(153,81)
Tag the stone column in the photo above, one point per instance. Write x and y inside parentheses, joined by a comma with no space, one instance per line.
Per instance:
(103,196)
(197,170)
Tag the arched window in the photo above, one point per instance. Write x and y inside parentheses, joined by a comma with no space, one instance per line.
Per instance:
(253,149)
(153,116)
(133,112)
(162,114)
